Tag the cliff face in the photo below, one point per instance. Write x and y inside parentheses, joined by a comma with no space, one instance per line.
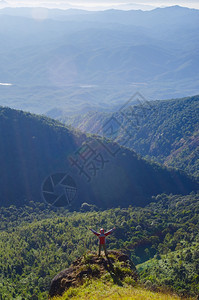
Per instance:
(117,265)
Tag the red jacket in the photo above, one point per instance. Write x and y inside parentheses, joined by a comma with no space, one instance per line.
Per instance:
(102,236)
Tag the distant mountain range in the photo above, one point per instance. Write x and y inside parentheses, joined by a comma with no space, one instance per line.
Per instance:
(40,157)
(165,131)
(83,60)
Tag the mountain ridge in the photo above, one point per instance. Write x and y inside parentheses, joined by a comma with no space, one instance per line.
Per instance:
(166,131)
(35,147)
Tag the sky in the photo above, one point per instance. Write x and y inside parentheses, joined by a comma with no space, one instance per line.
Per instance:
(99,4)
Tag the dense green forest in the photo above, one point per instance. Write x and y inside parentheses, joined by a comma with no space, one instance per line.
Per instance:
(37,241)
(35,149)
(162,240)
(165,131)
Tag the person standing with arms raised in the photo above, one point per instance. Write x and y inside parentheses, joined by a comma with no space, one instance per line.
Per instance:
(102,239)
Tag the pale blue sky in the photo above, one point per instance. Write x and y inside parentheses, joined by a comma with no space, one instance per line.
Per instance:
(100,4)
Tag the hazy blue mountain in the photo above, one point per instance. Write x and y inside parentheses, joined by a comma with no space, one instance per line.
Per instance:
(36,152)
(96,59)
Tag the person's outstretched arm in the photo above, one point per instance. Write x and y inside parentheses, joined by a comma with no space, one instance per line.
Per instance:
(110,231)
(93,231)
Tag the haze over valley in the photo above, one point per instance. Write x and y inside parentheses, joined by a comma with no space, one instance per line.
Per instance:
(80,61)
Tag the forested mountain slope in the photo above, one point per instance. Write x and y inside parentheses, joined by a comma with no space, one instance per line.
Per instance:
(165,131)
(35,150)
(37,243)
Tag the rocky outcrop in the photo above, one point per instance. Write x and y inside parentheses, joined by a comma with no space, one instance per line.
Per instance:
(90,265)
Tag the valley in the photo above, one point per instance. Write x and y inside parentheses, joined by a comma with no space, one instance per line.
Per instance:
(99,128)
